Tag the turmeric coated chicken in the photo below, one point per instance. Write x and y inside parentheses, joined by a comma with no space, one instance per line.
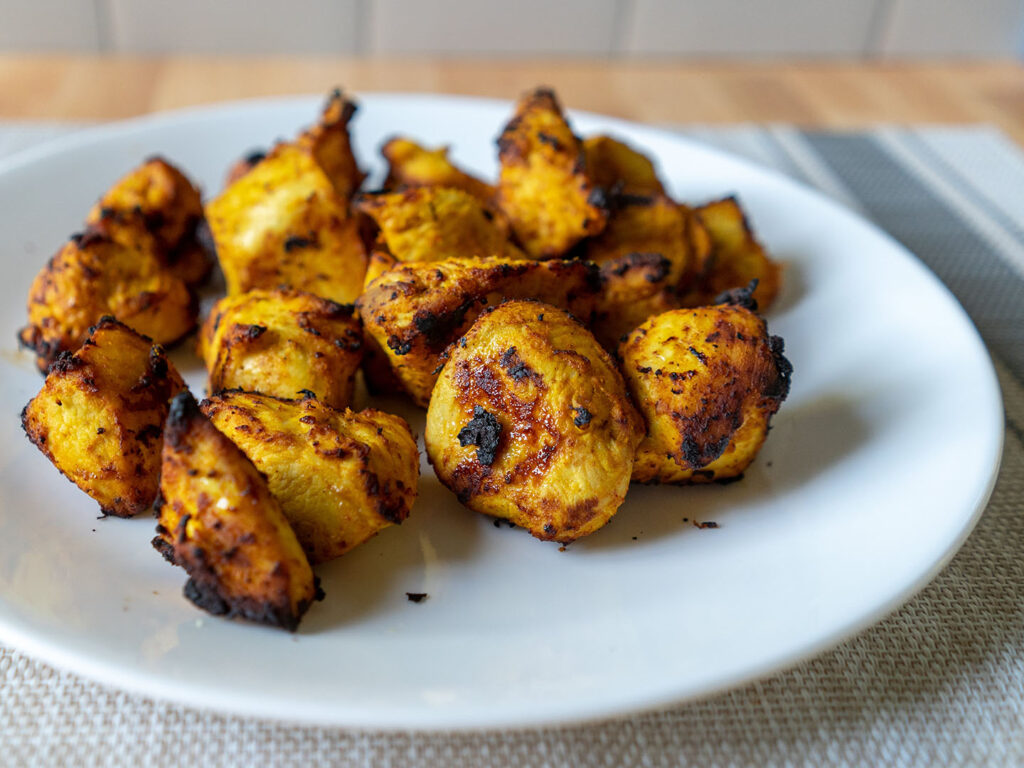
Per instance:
(530,421)
(617,167)
(411,165)
(416,311)
(283,343)
(736,257)
(156,207)
(433,223)
(707,381)
(99,416)
(644,254)
(340,476)
(543,186)
(94,275)
(219,521)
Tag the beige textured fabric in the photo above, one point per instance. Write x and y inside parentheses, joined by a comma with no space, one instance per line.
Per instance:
(939,682)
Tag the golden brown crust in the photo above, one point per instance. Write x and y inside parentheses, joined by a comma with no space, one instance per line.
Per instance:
(219,521)
(619,168)
(736,257)
(543,187)
(411,165)
(530,421)
(94,275)
(707,381)
(416,311)
(281,343)
(433,223)
(340,476)
(156,207)
(99,416)
(283,224)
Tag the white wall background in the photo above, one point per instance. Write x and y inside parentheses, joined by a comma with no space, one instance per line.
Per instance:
(627,28)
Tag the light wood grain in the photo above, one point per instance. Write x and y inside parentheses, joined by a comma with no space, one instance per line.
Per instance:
(812,94)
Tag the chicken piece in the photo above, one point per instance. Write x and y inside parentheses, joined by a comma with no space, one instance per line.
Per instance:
(281,343)
(283,224)
(644,254)
(543,187)
(340,476)
(736,257)
(615,166)
(432,223)
(411,165)
(634,288)
(329,144)
(99,417)
(530,421)
(707,381)
(415,311)
(156,207)
(219,521)
(94,275)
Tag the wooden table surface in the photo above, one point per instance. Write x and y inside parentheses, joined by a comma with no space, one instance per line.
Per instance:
(812,94)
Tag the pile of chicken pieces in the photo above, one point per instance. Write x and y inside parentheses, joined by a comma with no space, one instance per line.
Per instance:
(569,329)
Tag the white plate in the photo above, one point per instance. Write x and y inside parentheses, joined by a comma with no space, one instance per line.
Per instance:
(876,469)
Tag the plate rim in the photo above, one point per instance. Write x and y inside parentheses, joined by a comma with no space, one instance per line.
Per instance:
(152,685)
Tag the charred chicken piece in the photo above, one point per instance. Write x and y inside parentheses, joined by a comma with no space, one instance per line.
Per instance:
(432,223)
(736,257)
(95,275)
(543,187)
(219,521)
(155,207)
(416,311)
(99,417)
(341,476)
(530,421)
(644,254)
(707,381)
(411,165)
(618,167)
(282,343)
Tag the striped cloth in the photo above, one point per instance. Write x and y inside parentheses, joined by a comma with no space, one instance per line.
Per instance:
(939,682)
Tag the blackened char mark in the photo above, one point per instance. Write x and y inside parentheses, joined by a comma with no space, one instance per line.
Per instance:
(583,416)
(739,297)
(698,455)
(483,431)
(514,365)
(779,388)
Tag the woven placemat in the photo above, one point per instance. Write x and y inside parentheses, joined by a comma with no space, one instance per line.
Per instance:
(939,682)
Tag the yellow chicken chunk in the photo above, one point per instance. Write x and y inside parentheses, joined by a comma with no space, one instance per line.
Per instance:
(282,343)
(736,257)
(707,381)
(155,206)
(411,165)
(530,421)
(644,254)
(432,223)
(219,521)
(93,275)
(543,186)
(416,311)
(284,225)
(99,416)
(329,144)
(617,167)
(340,476)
